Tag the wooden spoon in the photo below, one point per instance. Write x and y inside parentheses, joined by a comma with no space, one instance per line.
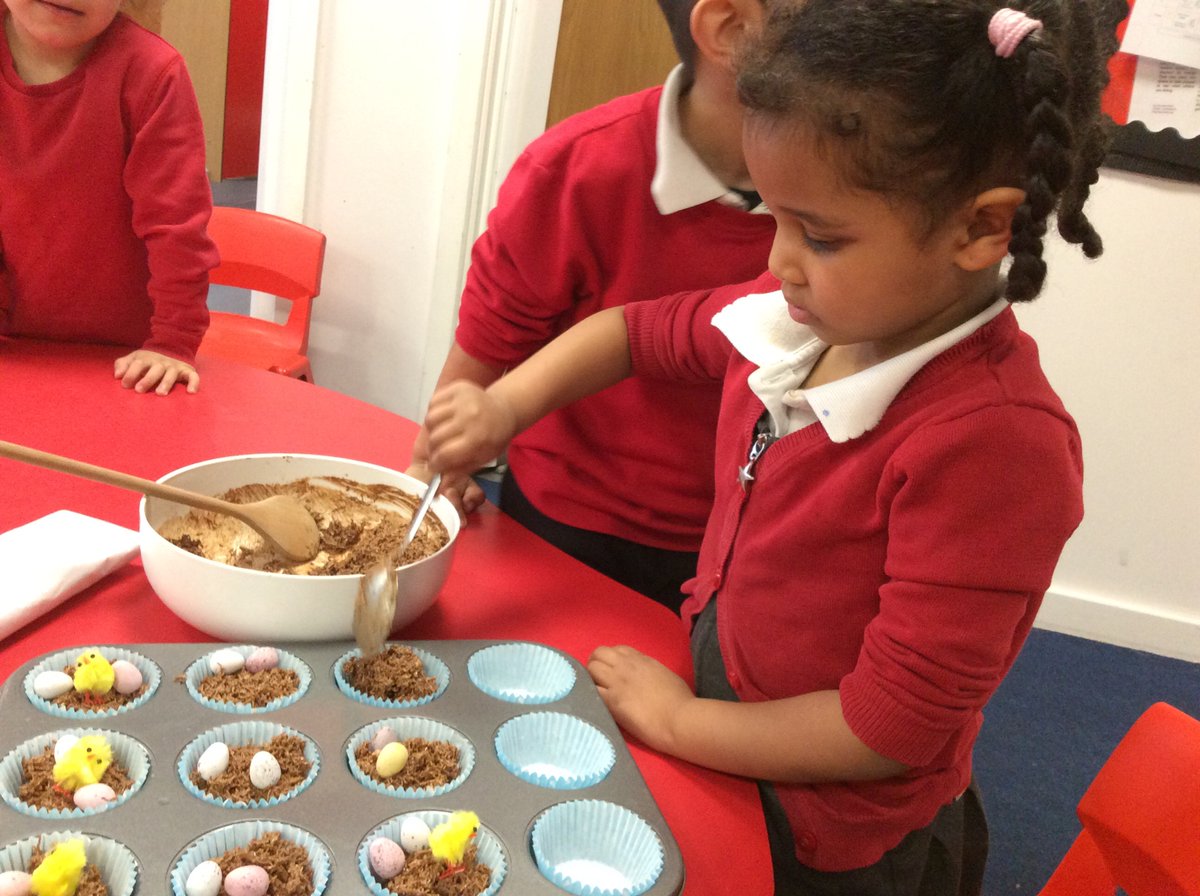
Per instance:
(283,521)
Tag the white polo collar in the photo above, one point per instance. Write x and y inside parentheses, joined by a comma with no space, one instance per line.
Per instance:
(784,351)
(681,179)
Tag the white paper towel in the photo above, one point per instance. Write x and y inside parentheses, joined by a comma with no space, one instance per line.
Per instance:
(53,558)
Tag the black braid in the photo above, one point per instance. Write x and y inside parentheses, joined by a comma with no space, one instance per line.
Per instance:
(919,107)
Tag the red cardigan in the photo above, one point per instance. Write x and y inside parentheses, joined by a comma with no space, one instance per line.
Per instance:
(104,200)
(903,568)
(575,230)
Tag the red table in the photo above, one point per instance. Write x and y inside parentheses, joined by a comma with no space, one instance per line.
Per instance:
(505,583)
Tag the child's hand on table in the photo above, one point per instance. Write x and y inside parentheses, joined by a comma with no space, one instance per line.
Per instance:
(144,370)
(642,694)
(466,427)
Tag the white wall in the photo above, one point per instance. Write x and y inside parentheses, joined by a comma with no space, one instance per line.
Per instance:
(417,111)
(1120,341)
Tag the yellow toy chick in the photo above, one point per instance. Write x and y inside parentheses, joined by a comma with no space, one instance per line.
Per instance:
(94,675)
(84,762)
(448,840)
(59,873)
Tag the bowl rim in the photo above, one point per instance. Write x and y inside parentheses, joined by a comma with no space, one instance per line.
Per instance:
(440,500)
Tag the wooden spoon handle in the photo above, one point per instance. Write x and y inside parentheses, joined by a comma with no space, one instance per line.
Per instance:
(122,480)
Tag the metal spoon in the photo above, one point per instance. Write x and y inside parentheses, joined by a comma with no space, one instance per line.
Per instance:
(375,604)
(283,521)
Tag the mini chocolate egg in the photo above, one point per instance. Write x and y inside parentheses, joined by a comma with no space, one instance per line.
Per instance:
(262,659)
(93,796)
(205,880)
(15,883)
(127,677)
(386,857)
(414,834)
(247,880)
(52,683)
(391,760)
(213,761)
(226,661)
(384,736)
(264,770)
(63,744)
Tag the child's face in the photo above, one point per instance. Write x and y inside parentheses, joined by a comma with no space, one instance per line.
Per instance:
(63,25)
(854,268)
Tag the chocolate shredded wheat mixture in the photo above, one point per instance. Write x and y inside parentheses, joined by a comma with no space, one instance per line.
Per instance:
(38,787)
(90,883)
(396,673)
(285,862)
(234,783)
(431,763)
(254,688)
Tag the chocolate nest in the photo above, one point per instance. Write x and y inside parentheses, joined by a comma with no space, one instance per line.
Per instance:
(396,673)
(253,688)
(89,702)
(39,787)
(424,875)
(285,862)
(234,785)
(431,763)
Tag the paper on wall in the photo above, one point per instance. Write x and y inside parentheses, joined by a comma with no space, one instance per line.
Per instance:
(1166,95)
(1167,30)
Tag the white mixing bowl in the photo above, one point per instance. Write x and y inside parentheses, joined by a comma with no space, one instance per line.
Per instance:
(235,604)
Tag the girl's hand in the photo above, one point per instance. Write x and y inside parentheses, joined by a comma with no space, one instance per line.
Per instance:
(466,426)
(143,370)
(643,695)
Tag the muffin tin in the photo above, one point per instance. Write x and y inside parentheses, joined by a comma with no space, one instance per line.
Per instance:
(511,786)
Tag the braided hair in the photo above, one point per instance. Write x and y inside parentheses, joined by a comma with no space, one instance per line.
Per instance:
(909,98)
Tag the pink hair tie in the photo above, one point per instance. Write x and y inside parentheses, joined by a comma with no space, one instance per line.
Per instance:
(1007,28)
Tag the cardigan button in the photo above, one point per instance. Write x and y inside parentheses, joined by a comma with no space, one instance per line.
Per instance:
(716,582)
(808,842)
(735,680)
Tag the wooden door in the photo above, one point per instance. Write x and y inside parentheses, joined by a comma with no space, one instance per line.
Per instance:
(606,49)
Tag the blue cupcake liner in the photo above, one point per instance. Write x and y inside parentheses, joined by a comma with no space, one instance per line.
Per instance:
(151,677)
(216,843)
(596,848)
(407,727)
(554,750)
(117,864)
(488,850)
(433,666)
(127,752)
(521,672)
(240,734)
(199,670)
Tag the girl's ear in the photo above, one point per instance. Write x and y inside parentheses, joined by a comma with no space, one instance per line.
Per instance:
(988,228)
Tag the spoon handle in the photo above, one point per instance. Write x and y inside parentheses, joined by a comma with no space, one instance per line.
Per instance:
(113,477)
(422,509)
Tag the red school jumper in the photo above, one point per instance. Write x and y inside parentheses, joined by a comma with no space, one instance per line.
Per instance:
(104,200)
(575,230)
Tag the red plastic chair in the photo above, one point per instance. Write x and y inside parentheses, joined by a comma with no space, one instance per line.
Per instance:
(273,255)
(1141,815)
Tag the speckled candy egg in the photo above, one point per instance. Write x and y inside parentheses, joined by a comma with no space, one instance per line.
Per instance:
(264,770)
(391,760)
(94,796)
(127,677)
(213,761)
(14,883)
(386,857)
(52,683)
(414,834)
(261,659)
(226,661)
(205,880)
(63,744)
(384,736)
(248,880)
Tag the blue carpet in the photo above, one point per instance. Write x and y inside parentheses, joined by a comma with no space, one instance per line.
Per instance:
(1051,725)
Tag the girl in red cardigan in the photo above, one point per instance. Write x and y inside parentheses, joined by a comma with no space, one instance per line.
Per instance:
(895,478)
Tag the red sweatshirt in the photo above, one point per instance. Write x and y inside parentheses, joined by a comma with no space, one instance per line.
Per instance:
(902,568)
(575,230)
(104,200)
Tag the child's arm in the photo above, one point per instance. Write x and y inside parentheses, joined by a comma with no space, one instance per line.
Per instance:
(144,370)
(468,426)
(798,739)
